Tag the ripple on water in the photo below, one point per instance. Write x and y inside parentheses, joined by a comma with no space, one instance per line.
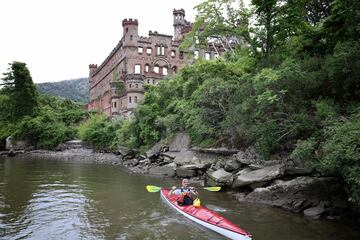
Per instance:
(55,208)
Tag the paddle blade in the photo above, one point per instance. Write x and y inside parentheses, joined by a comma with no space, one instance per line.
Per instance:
(212,189)
(151,188)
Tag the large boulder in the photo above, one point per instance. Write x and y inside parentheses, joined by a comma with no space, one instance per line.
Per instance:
(185,172)
(186,157)
(155,150)
(219,177)
(262,175)
(180,142)
(191,170)
(232,165)
(297,168)
(198,166)
(219,151)
(299,193)
(247,157)
(297,171)
(315,212)
(166,170)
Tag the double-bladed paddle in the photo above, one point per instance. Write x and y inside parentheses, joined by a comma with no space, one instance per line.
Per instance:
(152,188)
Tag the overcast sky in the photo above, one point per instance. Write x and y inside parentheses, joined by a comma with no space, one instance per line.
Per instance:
(58,39)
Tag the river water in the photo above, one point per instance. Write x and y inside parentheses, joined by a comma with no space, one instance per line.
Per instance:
(47,199)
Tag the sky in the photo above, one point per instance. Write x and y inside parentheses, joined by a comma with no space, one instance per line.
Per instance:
(58,39)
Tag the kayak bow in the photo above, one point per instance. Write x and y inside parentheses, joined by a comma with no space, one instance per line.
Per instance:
(207,218)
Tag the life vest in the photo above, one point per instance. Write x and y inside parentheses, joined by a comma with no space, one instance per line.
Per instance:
(185,198)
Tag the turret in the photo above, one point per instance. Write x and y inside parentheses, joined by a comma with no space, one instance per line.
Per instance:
(130,31)
(92,69)
(179,22)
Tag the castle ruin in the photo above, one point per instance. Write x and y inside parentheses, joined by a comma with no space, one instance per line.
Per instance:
(117,85)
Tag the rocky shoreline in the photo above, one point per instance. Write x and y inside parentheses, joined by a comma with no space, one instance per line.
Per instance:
(280,183)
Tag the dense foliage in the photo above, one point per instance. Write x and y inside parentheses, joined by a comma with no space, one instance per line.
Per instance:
(75,89)
(97,131)
(41,120)
(291,88)
(56,122)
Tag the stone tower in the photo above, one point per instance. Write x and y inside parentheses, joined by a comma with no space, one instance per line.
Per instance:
(130,31)
(179,23)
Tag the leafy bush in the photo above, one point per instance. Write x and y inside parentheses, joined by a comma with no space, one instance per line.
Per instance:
(44,130)
(97,131)
(341,152)
(304,150)
(124,134)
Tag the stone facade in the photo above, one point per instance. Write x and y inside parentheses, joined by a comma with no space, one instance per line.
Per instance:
(137,61)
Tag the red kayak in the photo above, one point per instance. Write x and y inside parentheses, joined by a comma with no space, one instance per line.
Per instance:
(207,218)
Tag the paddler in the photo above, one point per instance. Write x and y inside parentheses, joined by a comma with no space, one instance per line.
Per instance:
(186,193)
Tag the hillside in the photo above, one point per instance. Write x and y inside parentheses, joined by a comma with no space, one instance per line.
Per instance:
(75,89)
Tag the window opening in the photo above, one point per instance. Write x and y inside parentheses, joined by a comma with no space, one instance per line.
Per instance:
(165,71)
(137,68)
(156,69)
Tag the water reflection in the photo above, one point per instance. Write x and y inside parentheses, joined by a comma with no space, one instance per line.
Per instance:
(42,199)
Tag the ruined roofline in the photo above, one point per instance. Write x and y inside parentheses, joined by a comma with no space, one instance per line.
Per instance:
(118,46)
(155,33)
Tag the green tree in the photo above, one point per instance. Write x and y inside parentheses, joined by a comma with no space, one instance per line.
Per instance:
(21,90)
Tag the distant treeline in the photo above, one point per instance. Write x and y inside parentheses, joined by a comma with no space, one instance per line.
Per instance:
(75,89)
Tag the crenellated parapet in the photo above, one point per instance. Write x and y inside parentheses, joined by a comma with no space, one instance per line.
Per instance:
(144,39)
(179,12)
(155,33)
(130,21)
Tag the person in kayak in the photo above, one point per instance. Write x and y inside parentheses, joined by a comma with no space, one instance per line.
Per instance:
(185,193)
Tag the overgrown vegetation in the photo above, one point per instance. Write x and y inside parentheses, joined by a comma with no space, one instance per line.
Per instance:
(292,87)
(41,120)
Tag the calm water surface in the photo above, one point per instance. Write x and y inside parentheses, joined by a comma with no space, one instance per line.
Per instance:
(45,199)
